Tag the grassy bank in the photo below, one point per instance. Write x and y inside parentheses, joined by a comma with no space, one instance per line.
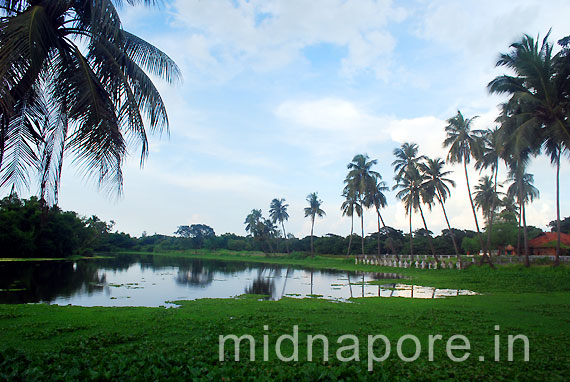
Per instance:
(42,342)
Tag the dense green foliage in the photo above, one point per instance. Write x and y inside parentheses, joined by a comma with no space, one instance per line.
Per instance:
(28,229)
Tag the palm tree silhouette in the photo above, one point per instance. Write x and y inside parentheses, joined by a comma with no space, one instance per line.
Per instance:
(436,186)
(278,213)
(75,82)
(313,211)
(464,143)
(362,179)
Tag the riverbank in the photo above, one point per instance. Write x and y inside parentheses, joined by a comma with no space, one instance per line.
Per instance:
(513,277)
(43,342)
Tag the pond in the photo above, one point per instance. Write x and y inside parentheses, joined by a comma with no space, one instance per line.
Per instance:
(128,280)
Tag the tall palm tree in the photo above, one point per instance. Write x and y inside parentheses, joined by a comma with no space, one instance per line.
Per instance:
(278,213)
(464,143)
(436,186)
(378,199)
(362,178)
(523,190)
(406,157)
(540,87)
(410,185)
(74,58)
(487,199)
(349,207)
(492,150)
(313,211)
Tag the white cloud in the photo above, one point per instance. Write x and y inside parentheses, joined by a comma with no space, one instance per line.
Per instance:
(271,34)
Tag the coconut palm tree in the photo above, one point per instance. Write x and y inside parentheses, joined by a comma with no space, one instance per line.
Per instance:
(313,211)
(74,58)
(410,185)
(362,178)
(487,199)
(252,221)
(436,186)
(492,150)
(540,87)
(349,207)
(523,190)
(464,143)
(406,157)
(377,198)
(278,213)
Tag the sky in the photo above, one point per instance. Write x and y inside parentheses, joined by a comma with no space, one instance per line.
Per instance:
(279,95)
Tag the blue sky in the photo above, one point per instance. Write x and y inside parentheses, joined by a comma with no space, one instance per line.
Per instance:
(278,96)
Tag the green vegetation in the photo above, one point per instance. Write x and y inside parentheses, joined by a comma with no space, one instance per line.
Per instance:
(42,342)
(28,230)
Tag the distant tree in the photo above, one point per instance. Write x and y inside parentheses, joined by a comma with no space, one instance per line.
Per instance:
(278,213)
(349,207)
(377,198)
(523,190)
(564,225)
(313,211)
(487,199)
(182,231)
(362,179)
(436,187)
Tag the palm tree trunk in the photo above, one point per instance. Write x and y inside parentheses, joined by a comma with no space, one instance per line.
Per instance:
(389,239)
(492,213)
(362,224)
(448,225)
(411,241)
(378,212)
(557,256)
(526,259)
(485,257)
(351,232)
(285,236)
(519,252)
(312,226)
(429,236)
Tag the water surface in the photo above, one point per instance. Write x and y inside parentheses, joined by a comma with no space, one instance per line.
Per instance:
(129,280)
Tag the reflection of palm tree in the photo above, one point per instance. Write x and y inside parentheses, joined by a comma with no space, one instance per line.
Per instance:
(285,282)
(262,285)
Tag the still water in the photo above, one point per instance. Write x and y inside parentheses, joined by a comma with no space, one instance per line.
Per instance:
(157,281)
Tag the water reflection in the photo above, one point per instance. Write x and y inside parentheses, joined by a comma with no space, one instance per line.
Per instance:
(153,280)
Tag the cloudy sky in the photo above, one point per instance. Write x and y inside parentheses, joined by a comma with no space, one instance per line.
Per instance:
(279,95)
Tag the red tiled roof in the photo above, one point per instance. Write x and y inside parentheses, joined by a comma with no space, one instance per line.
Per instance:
(549,237)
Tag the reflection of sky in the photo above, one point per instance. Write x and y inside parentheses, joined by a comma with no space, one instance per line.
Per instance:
(143,286)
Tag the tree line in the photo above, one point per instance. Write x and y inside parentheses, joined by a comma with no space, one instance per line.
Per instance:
(534,120)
